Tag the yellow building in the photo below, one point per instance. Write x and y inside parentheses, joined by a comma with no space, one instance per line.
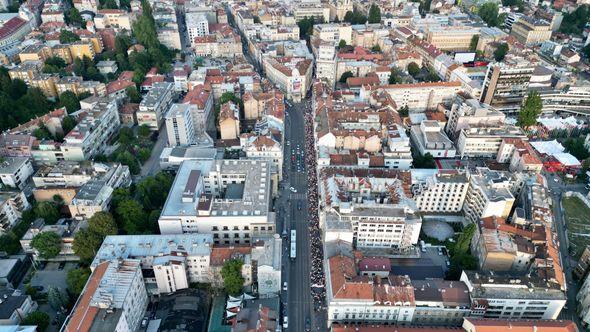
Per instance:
(531,31)
(45,82)
(451,38)
(96,42)
(35,53)
(229,121)
(25,71)
(81,49)
(63,51)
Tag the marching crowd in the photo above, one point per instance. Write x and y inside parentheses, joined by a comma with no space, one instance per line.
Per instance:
(317,253)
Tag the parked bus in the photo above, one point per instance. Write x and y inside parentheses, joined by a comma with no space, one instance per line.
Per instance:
(293,244)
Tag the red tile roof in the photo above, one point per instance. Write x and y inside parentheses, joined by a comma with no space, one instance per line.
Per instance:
(11,26)
(84,314)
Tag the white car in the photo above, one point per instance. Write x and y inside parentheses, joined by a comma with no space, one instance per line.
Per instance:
(293,190)
(285,286)
(285,322)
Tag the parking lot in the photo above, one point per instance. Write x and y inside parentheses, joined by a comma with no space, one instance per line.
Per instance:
(431,264)
(51,275)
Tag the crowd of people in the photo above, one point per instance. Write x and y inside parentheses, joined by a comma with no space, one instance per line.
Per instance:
(317,251)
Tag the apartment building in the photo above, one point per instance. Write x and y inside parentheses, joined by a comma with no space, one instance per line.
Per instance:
(419,96)
(222,41)
(201,106)
(583,302)
(226,198)
(529,30)
(429,137)
(117,19)
(326,62)
(12,204)
(179,125)
(65,229)
(333,32)
(489,194)
(370,208)
(92,197)
(305,10)
(264,147)
(467,113)
(25,71)
(74,174)
(442,192)
(451,38)
(572,99)
(197,25)
(498,250)
(292,75)
(506,297)
(114,299)
(350,299)
(14,307)
(175,259)
(155,104)
(520,156)
(506,84)
(16,145)
(440,302)
(486,141)
(267,258)
(35,52)
(15,171)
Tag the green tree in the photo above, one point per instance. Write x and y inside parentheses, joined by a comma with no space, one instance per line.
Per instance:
(575,146)
(68,37)
(48,211)
(374,14)
(56,298)
(126,136)
(345,76)
(144,154)
(68,124)
(530,110)
(38,318)
(425,161)
(47,243)
(127,159)
(404,111)
(131,216)
(376,48)
(153,190)
(17,89)
(133,95)
(413,69)
(10,243)
(306,27)
(432,76)
(87,241)
(500,52)
(232,276)
(103,224)
(586,51)
(42,133)
(54,64)
(355,17)
(144,131)
(574,22)
(76,280)
(502,19)
(473,43)
(489,13)
(395,76)
(70,101)
(342,44)
(73,17)
(256,19)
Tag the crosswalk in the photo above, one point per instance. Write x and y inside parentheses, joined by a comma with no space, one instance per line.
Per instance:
(293,196)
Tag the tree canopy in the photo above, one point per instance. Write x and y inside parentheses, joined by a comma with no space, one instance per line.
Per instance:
(575,21)
(306,26)
(473,43)
(530,110)
(342,43)
(232,276)
(575,146)
(345,76)
(69,100)
(355,17)
(76,280)
(413,69)
(38,318)
(19,103)
(48,211)
(47,243)
(501,51)
(403,111)
(68,37)
(88,240)
(425,161)
(374,14)
(489,13)
(395,76)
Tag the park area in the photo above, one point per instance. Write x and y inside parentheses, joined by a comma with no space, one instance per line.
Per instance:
(577,218)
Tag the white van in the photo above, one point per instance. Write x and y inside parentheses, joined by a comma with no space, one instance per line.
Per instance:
(285,322)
